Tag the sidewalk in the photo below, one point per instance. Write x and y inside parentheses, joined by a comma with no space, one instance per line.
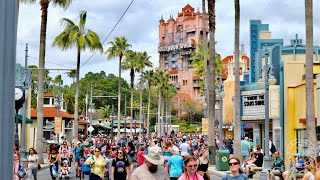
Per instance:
(214,172)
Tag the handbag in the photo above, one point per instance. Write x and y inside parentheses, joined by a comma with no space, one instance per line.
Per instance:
(39,167)
(21,172)
(86,169)
(54,171)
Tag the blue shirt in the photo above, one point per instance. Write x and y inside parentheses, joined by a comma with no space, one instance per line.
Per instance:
(77,151)
(176,164)
(245,148)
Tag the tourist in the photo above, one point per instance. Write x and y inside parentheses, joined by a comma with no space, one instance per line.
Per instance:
(167,151)
(32,164)
(190,165)
(229,144)
(236,172)
(175,165)
(204,164)
(278,166)
(16,161)
(318,171)
(152,169)
(318,149)
(256,162)
(311,169)
(296,166)
(54,161)
(76,153)
(184,147)
(140,156)
(98,165)
(120,166)
(245,148)
(64,152)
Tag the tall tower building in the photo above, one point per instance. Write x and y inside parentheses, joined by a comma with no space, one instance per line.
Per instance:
(178,39)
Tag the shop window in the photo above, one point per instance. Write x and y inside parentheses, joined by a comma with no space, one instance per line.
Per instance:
(302,146)
(46,101)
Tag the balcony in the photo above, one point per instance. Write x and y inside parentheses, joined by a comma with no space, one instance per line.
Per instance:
(196,85)
(177,84)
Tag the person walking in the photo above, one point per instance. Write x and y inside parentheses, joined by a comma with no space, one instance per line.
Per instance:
(175,165)
(245,149)
(120,166)
(152,169)
(190,165)
(98,165)
(76,153)
(53,161)
(184,147)
(32,164)
(16,161)
(229,144)
(140,156)
(236,172)
(204,164)
(64,152)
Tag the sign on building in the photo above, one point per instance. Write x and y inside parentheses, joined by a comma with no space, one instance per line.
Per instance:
(253,105)
(205,126)
(57,125)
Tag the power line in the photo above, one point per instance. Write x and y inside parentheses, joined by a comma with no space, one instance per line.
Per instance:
(114,27)
(51,62)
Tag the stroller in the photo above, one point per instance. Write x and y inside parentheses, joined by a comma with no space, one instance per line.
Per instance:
(65,169)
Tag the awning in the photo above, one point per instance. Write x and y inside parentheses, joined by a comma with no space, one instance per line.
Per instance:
(28,121)
(248,128)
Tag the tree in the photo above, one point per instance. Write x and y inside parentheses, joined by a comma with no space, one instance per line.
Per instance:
(148,76)
(311,127)
(105,111)
(118,48)
(82,38)
(129,62)
(211,79)
(72,74)
(169,92)
(42,50)
(143,61)
(58,79)
(236,119)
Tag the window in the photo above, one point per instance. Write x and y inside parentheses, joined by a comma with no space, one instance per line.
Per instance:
(240,70)
(46,101)
(302,146)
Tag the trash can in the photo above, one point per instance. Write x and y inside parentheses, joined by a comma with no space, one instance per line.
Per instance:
(222,157)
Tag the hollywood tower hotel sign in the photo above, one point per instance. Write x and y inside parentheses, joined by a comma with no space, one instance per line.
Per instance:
(178,39)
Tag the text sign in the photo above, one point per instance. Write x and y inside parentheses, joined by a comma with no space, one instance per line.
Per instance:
(253,105)
(57,125)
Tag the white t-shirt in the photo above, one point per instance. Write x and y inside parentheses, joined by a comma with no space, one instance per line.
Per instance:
(32,161)
(184,149)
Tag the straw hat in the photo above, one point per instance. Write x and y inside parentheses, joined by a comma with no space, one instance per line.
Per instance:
(154,157)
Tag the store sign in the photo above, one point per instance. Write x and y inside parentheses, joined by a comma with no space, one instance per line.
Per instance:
(253,105)
(57,125)
(174,47)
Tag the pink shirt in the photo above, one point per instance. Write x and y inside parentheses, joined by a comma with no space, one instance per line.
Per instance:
(140,157)
(195,177)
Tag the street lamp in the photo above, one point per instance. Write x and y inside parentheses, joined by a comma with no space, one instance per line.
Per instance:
(220,97)
(269,79)
(135,127)
(57,104)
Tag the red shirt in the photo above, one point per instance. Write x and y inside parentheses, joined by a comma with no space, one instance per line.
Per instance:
(140,157)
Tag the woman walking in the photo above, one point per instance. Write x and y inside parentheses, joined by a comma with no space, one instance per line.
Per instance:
(54,161)
(120,166)
(204,164)
(236,171)
(98,165)
(167,151)
(190,165)
(16,161)
(32,164)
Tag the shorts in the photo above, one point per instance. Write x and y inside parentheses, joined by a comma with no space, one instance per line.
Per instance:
(132,159)
(76,159)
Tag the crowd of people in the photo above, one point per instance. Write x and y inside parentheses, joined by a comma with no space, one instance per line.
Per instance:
(174,157)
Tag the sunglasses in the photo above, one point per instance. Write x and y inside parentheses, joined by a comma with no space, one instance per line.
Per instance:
(190,166)
(119,152)
(233,164)
(96,151)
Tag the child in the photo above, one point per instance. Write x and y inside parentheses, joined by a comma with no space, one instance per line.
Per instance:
(65,169)
(81,161)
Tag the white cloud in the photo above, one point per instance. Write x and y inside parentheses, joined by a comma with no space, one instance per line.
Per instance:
(140,27)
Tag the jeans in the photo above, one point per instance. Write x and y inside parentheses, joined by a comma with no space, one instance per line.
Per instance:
(94,177)
(173,178)
(32,172)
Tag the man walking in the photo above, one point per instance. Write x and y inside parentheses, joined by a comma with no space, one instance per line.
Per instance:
(229,144)
(245,148)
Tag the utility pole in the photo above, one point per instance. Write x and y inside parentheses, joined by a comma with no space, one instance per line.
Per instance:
(24,112)
(58,108)
(8,39)
(112,118)
(90,110)
(125,117)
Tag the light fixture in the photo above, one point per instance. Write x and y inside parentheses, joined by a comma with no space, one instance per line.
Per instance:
(260,83)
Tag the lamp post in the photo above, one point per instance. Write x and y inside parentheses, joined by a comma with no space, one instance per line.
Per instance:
(58,106)
(268,79)
(112,118)
(221,95)
(135,127)
(125,117)
(90,111)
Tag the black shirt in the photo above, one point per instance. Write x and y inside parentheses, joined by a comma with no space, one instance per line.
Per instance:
(120,168)
(259,160)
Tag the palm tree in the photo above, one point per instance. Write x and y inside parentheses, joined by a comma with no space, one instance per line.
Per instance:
(118,48)
(212,75)
(42,50)
(82,38)
(149,77)
(105,111)
(130,61)
(160,80)
(311,127)
(169,92)
(236,119)
(72,74)
(143,61)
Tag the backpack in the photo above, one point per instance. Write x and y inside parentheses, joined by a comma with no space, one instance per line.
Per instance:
(86,169)
(273,148)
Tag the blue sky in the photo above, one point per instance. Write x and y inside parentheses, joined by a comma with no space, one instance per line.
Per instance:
(140,27)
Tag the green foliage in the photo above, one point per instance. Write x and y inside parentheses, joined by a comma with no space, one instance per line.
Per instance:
(187,127)
(117,48)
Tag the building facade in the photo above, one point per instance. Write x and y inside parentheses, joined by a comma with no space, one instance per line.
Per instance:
(178,39)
